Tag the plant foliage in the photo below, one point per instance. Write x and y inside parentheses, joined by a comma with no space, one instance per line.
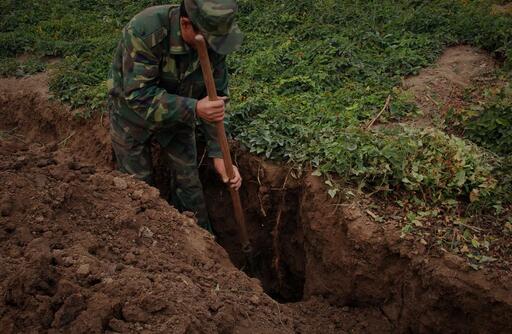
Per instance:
(308,78)
(491,127)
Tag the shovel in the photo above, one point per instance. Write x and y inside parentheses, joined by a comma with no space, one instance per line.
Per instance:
(228,164)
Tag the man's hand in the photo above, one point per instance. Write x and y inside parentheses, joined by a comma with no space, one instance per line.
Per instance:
(211,111)
(235,182)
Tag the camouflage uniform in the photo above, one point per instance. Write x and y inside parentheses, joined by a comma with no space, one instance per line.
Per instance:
(154,84)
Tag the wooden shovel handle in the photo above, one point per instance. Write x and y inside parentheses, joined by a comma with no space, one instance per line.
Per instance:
(212,95)
(223,141)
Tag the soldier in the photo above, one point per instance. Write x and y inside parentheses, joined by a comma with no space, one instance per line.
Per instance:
(156,90)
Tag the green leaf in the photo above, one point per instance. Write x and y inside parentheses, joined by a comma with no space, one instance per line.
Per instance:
(407,228)
(332,192)
(460,178)
(475,243)
(487,259)
(474,266)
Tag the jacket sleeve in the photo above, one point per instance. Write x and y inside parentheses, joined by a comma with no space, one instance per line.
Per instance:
(220,74)
(141,71)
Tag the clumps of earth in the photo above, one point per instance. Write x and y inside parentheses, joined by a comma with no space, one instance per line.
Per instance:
(85,249)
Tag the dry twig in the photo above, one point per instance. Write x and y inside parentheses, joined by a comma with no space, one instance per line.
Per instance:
(386,106)
(65,140)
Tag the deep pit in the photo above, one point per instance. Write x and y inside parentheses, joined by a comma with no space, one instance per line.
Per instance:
(271,200)
(273,222)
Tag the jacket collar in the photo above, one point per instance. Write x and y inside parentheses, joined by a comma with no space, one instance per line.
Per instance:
(177,45)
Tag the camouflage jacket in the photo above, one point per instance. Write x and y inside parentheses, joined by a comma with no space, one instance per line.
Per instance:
(156,79)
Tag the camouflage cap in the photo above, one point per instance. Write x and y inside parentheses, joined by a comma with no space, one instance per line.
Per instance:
(216,20)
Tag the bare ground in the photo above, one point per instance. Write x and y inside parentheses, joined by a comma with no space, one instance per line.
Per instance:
(455,81)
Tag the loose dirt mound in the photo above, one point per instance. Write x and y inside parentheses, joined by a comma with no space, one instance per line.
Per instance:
(37,84)
(26,112)
(450,83)
(505,9)
(85,250)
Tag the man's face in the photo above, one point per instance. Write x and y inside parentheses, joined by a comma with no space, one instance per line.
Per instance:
(188,33)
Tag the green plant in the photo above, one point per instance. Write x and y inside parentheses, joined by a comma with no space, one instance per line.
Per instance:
(307,79)
(491,127)
(17,68)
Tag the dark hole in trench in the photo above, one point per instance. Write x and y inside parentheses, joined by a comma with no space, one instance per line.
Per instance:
(273,222)
(274,229)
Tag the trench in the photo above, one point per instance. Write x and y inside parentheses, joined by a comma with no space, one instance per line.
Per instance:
(275,230)
(273,222)
(300,250)
(304,249)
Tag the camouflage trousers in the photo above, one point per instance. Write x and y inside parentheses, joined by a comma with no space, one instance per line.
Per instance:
(178,147)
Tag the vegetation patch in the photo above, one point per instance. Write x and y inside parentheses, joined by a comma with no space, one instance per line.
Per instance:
(309,79)
(491,124)
(12,67)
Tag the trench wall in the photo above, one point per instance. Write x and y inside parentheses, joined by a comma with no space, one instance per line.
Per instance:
(311,245)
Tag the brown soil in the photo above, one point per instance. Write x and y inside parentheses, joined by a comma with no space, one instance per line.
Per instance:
(84,249)
(505,9)
(27,112)
(457,79)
